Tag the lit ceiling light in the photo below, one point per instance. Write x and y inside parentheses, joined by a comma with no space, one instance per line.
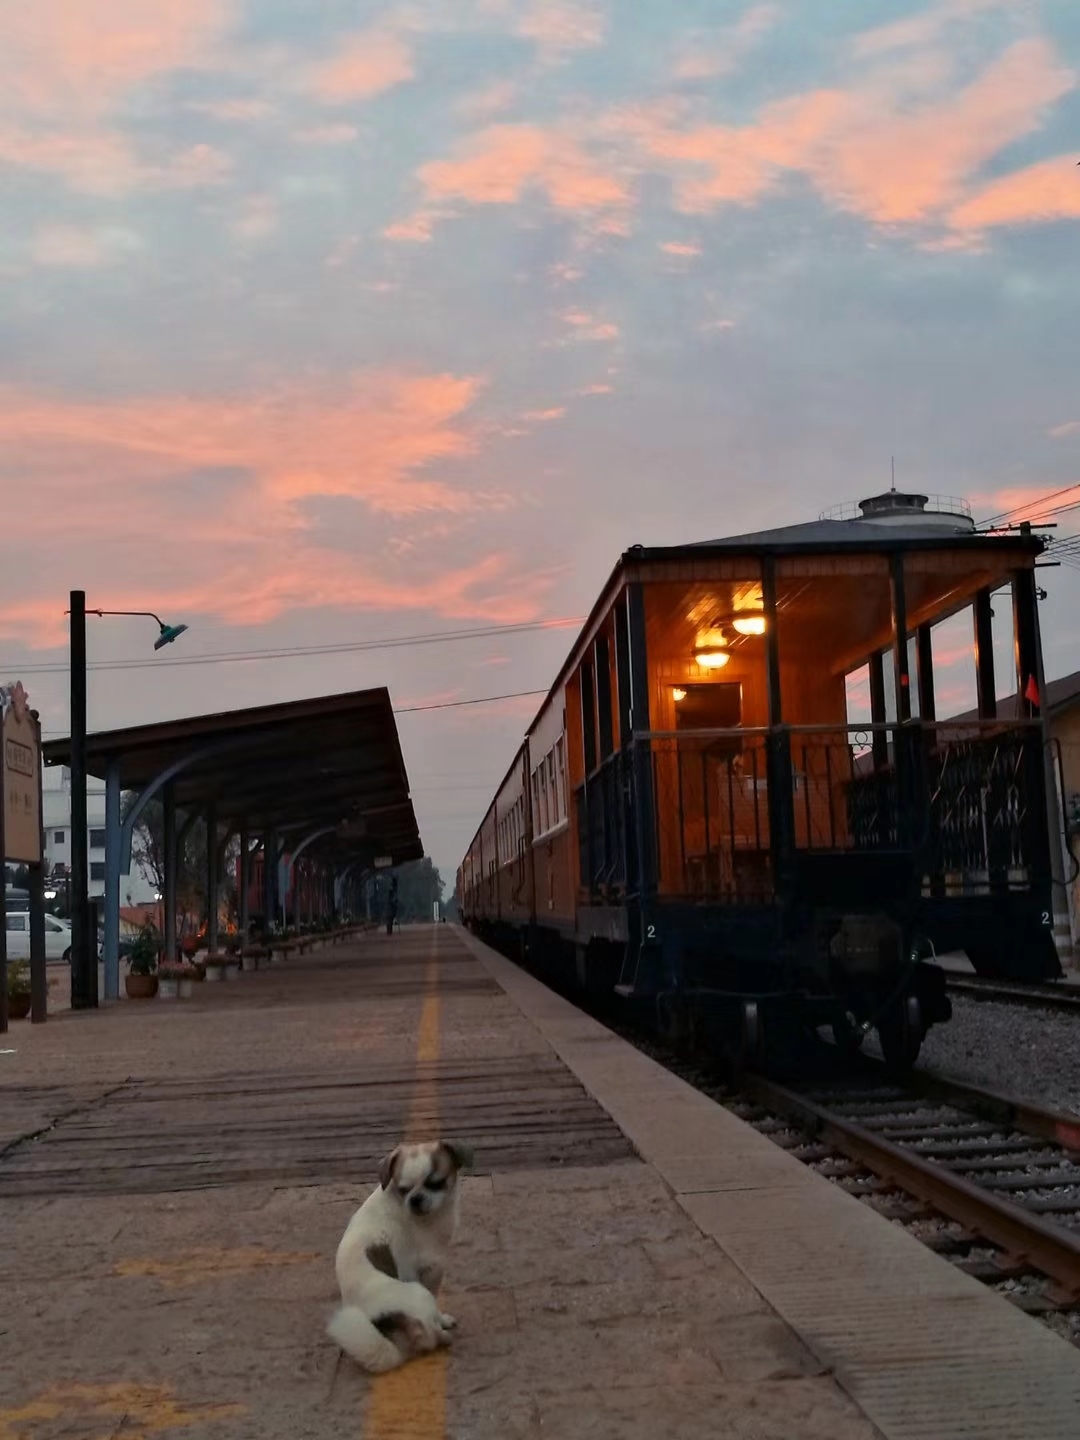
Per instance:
(711,658)
(749,624)
(678,694)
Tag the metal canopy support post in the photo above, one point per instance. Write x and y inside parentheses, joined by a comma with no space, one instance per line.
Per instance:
(113,846)
(171,869)
(270,858)
(39,980)
(901,671)
(985,684)
(244,879)
(83,944)
(908,824)
(213,870)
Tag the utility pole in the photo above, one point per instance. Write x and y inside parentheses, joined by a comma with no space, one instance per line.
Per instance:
(83,944)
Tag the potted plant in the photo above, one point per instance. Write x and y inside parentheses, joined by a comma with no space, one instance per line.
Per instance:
(141,981)
(188,976)
(18,989)
(214,966)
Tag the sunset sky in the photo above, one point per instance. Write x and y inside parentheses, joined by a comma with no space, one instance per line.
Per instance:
(324,324)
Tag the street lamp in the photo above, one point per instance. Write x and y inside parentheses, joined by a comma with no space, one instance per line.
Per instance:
(83,953)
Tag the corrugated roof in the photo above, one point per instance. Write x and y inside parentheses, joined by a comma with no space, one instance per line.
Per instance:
(332,762)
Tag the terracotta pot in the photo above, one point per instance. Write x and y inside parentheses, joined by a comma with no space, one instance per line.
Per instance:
(141,987)
(19,1005)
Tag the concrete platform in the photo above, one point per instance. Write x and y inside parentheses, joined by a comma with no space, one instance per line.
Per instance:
(174,1178)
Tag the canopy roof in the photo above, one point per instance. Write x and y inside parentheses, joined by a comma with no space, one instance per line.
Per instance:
(331,763)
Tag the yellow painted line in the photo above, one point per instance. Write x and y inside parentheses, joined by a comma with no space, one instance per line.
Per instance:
(189,1267)
(410,1403)
(143,1410)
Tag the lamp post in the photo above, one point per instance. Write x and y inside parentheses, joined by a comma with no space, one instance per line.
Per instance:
(84,986)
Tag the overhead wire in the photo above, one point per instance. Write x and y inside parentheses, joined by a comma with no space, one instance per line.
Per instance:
(433,637)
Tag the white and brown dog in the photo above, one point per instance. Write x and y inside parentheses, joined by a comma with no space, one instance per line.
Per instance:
(391,1259)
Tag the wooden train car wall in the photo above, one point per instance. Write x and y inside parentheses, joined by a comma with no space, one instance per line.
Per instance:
(552,849)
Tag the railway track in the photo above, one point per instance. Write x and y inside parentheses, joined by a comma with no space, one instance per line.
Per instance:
(1044,997)
(990,1183)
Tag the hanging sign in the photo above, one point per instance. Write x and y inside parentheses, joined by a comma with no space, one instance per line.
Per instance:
(21,777)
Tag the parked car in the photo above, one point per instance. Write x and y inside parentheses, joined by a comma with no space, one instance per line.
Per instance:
(57,937)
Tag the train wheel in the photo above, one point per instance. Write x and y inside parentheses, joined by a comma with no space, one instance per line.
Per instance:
(901,1033)
(847,1036)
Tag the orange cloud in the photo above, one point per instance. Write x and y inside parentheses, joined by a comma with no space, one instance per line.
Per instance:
(372,63)
(501,164)
(588,327)
(1043,192)
(71,58)
(882,149)
(220,482)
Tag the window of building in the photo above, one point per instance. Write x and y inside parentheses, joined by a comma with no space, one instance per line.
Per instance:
(59,837)
(97,839)
(97,869)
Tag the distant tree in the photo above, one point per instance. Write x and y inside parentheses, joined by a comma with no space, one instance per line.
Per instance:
(452,910)
(419,886)
(148,853)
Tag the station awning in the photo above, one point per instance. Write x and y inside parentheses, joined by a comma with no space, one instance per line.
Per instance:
(332,763)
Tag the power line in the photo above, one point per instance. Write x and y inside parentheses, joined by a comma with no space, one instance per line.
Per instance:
(232,657)
(1034,506)
(417,709)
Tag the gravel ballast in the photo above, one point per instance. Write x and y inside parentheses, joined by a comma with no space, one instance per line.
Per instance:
(1031,1054)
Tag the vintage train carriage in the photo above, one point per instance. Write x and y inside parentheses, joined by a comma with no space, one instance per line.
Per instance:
(698,819)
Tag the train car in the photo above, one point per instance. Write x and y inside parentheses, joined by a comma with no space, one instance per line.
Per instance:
(699,821)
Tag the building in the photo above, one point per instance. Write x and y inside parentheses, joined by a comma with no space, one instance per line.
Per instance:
(135,888)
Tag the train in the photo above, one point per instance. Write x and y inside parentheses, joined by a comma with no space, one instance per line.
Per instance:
(737,810)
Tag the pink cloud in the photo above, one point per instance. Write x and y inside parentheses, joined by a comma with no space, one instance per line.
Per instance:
(710,55)
(80,57)
(73,248)
(922,29)
(1070,427)
(882,149)
(556,412)
(376,61)
(416,229)
(252,551)
(501,164)
(587,327)
(339,134)
(1043,192)
(680,248)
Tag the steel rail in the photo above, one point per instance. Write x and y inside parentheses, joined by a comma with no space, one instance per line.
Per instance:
(1047,1247)
(1012,992)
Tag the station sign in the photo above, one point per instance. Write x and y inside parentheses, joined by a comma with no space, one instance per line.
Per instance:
(20,766)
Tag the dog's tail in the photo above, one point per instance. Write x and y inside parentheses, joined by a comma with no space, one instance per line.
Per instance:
(353,1332)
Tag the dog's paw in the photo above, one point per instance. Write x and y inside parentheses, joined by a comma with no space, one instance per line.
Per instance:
(447,1322)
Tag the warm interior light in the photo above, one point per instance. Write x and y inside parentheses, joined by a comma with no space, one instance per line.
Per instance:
(749,624)
(677,694)
(711,659)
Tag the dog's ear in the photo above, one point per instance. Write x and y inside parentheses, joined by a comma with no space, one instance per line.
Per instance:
(388,1167)
(461,1156)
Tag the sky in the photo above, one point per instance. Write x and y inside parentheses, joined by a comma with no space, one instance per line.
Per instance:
(326,325)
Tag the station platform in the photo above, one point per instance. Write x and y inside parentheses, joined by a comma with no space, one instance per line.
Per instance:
(633,1260)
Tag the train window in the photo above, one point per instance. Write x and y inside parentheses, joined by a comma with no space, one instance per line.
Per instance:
(553,788)
(588,717)
(603,697)
(545,818)
(560,751)
(537,826)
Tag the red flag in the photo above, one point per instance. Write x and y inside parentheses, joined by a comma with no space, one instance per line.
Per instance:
(1031,691)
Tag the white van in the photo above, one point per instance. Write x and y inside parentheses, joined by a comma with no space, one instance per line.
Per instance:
(57,937)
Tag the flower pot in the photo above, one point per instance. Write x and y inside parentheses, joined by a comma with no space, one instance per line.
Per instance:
(214,970)
(250,962)
(19,1005)
(232,971)
(168,988)
(187,987)
(141,987)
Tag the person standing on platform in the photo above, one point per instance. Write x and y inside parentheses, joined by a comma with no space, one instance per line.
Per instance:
(391,906)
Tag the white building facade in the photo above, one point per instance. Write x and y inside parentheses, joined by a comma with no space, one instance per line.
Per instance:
(135,888)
